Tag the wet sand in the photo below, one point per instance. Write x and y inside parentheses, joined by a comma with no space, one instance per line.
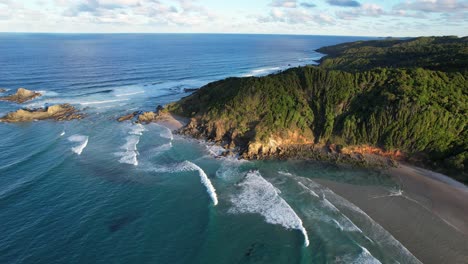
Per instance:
(428,214)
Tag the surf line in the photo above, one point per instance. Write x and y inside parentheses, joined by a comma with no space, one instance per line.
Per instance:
(190,166)
(259,196)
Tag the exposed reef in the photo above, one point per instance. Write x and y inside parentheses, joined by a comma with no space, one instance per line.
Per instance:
(63,112)
(22,95)
(160,116)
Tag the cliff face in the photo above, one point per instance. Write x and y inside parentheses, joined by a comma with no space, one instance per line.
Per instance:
(310,112)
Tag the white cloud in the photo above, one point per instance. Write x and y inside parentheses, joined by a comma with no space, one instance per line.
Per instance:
(284,3)
(436,6)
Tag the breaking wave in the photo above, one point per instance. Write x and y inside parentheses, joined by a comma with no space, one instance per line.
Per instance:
(190,166)
(166,133)
(260,196)
(129,155)
(262,71)
(82,143)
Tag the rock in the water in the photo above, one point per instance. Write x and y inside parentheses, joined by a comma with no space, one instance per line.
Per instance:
(2,90)
(129,116)
(22,95)
(55,112)
(147,117)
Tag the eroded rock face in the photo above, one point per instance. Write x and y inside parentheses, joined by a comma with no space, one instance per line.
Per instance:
(56,112)
(22,95)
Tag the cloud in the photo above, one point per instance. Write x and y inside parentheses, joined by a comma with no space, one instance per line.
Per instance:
(435,6)
(307,5)
(296,16)
(367,10)
(344,3)
(284,3)
(139,12)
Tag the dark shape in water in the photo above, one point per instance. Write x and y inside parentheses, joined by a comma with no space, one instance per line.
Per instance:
(98,92)
(190,90)
(119,223)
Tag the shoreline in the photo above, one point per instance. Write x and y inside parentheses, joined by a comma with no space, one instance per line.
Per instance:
(448,197)
(427,215)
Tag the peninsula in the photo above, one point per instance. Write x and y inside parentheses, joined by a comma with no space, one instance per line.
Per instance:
(405,99)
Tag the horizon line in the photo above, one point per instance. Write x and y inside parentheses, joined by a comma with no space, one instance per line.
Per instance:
(217,33)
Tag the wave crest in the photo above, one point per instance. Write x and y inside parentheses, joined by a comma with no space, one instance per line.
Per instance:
(260,196)
(82,143)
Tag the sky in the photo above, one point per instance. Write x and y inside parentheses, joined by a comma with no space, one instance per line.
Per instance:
(309,17)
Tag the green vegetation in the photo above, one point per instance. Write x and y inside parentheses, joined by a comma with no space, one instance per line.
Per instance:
(434,53)
(418,110)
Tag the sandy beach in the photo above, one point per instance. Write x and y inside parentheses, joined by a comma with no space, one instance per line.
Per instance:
(173,122)
(428,214)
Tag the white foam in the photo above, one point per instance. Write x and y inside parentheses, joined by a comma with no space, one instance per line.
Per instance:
(102,102)
(166,133)
(309,190)
(261,197)
(62,134)
(128,94)
(137,130)
(130,153)
(158,150)
(190,166)
(83,142)
(262,71)
(215,150)
(48,93)
(366,257)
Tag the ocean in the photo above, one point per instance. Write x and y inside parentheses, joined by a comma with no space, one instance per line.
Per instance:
(99,191)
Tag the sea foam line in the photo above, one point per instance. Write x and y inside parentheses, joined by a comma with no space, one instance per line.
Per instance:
(82,140)
(260,196)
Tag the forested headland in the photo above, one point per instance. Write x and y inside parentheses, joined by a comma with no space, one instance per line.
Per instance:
(405,97)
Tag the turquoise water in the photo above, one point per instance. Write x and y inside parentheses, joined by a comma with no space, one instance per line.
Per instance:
(98,191)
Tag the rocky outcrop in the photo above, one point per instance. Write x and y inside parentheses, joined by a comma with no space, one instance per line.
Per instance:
(289,145)
(129,117)
(56,112)
(22,95)
(2,90)
(148,117)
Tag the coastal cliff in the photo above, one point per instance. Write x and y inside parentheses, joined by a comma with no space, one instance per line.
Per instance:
(350,106)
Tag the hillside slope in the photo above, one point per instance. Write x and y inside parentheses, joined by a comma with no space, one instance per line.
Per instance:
(415,113)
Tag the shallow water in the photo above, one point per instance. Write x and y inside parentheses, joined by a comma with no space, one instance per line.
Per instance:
(98,191)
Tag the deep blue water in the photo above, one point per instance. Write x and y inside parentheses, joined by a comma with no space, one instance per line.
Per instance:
(98,191)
